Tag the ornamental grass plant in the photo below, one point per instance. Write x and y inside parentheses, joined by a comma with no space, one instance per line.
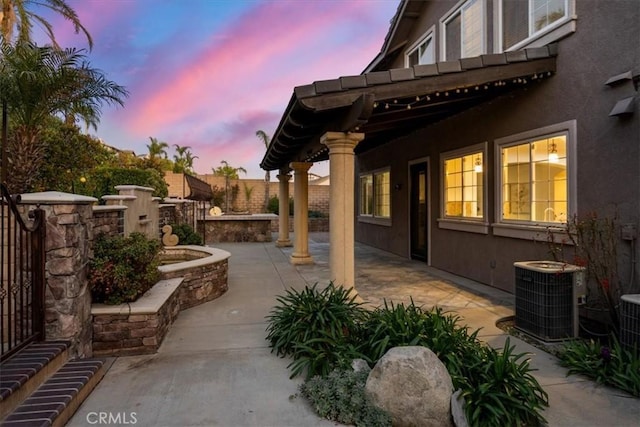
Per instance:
(610,364)
(324,330)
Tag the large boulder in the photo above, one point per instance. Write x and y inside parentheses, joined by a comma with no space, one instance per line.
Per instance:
(413,386)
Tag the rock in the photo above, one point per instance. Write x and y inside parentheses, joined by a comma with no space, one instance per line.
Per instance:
(457,410)
(360,365)
(413,386)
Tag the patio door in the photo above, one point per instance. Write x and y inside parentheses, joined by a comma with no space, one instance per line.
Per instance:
(418,211)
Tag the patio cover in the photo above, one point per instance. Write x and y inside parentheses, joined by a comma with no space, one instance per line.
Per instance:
(385,105)
(198,189)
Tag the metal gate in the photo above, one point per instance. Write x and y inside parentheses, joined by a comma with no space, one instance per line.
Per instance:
(22,271)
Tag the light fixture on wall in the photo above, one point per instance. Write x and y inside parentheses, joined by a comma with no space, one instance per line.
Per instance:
(553,153)
(477,165)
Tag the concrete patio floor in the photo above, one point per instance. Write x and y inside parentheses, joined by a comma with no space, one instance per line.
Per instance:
(215,368)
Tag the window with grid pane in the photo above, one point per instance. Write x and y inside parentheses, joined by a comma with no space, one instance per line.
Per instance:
(383,194)
(463,186)
(534,180)
(366,195)
(375,194)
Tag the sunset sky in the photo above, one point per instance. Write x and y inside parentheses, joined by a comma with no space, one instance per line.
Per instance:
(210,73)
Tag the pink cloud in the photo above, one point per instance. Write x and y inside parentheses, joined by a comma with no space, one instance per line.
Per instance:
(210,84)
(214,97)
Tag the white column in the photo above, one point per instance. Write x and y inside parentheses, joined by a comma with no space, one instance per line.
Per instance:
(283,211)
(300,253)
(342,205)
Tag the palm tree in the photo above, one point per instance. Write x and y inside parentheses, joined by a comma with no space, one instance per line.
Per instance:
(229,173)
(267,175)
(157,149)
(183,160)
(15,17)
(39,82)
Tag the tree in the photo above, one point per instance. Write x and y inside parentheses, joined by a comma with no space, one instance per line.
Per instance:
(59,170)
(267,175)
(183,160)
(15,17)
(39,82)
(157,158)
(229,173)
(157,149)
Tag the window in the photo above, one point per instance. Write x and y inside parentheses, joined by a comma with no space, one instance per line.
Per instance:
(375,194)
(522,19)
(463,186)
(463,31)
(535,177)
(422,53)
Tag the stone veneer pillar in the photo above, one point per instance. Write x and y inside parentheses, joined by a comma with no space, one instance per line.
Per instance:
(300,253)
(69,221)
(341,205)
(283,211)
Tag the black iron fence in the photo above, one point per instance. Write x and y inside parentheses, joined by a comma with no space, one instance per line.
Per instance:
(22,272)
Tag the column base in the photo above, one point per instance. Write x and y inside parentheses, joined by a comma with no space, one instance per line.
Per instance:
(301,259)
(283,243)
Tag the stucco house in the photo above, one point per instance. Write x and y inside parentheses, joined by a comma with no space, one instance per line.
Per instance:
(480,125)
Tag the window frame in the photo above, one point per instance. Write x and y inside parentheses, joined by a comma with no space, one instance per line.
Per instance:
(449,16)
(535,229)
(429,34)
(373,218)
(549,34)
(462,223)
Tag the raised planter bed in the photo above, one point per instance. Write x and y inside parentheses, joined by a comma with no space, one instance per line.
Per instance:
(137,327)
(204,271)
(237,228)
(196,274)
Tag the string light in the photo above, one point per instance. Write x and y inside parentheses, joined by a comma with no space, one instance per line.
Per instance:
(459,90)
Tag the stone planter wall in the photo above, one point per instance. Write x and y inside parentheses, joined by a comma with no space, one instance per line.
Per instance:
(237,228)
(138,327)
(204,278)
(316,225)
(108,220)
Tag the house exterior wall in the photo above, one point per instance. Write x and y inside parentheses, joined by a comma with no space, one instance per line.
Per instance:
(608,157)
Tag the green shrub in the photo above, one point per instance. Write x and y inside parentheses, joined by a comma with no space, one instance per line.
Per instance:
(340,397)
(103,180)
(317,328)
(607,364)
(274,205)
(186,235)
(497,386)
(398,325)
(123,268)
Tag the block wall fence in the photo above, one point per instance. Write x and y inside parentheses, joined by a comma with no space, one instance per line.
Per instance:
(254,188)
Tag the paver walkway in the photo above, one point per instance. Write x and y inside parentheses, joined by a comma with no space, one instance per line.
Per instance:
(215,368)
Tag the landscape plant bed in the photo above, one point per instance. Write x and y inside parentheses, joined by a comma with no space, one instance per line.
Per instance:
(324,330)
